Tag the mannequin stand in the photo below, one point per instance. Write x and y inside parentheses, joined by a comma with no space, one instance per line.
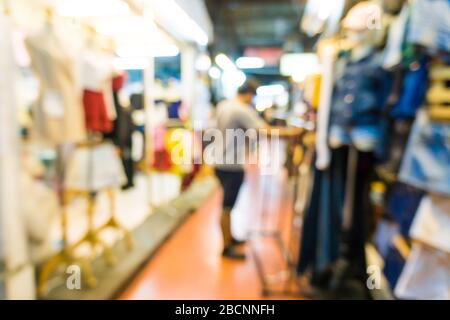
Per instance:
(92,235)
(65,257)
(114,224)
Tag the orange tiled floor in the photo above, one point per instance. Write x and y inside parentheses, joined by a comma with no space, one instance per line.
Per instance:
(189,265)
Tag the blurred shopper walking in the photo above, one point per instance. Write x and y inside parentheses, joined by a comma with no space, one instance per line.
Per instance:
(234,117)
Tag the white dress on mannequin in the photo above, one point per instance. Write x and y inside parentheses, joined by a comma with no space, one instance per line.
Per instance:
(59,115)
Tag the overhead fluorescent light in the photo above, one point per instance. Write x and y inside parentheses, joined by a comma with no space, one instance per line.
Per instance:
(126,26)
(224,62)
(270,90)
(148,51)
(299,76)
(250,63)
(89,8)
(231,80)
(296,63)
(325,11)
(172,13)
(131,63)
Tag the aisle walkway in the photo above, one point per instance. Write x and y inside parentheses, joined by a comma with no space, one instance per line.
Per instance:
(189,266)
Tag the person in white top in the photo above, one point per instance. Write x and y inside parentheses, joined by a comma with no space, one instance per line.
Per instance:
(235,115)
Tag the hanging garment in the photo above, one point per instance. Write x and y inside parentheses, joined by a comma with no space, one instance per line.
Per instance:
(349,272)
(123,131)
(94,168)
(323,157)
(118,82)
(162,161)
(395,145)
(430,24)
(96,73)
(432,223)
(358,226)
(323,218)
(426,275)
(58,115)
(396,38)
(386,230)
(415,85)
(174,109)
(118,134)
(393,265)
(426,161)
(137,101)
(393,261)
(358,98)
(402,202)
(95,111)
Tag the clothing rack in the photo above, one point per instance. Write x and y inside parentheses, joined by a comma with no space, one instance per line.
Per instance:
(290,287)
(371,256)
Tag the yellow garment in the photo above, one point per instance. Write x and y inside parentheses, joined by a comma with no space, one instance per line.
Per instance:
(176,142)
(312,90)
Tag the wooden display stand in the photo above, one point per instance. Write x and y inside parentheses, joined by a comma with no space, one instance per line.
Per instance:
(67,256)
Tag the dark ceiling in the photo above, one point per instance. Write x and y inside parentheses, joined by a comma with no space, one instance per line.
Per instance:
(239,24)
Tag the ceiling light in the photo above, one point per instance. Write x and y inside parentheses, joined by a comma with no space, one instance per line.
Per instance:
(250,63)
(172,13)
(126,26)
(299,77)
(224,62)
(270,90)
(295,63)
(131,63)
(148,51)
(89,8)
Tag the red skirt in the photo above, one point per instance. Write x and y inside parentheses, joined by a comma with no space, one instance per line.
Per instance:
(95,112)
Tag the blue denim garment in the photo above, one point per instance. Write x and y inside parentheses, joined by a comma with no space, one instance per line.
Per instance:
(426,163)
(393,266)
(415,85)
(430,24)
(321,229)
(402,202)
(385,232)
(365,137)
(358,98)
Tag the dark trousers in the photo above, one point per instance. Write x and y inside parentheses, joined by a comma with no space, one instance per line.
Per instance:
(231,182)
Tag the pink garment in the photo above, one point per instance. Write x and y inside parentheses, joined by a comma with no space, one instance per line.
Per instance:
(159,136)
